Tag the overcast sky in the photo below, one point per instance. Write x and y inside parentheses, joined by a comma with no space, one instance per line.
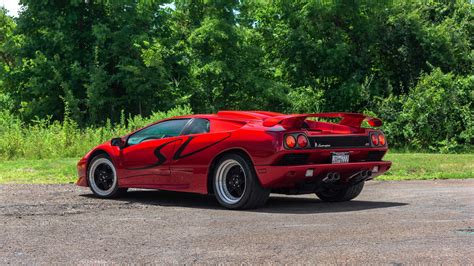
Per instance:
(12,6)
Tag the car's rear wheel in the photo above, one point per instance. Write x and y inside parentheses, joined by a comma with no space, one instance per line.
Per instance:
(236,185)
(102,177)
(344,194)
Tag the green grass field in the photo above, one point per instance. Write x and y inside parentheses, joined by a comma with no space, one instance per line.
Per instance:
(45,171)
(406,166)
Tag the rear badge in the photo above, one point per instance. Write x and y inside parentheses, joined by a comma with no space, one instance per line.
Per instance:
(317,145)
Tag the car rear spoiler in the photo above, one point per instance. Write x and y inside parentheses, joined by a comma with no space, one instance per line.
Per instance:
(296,121)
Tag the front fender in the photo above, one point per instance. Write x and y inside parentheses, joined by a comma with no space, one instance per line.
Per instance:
(83,164)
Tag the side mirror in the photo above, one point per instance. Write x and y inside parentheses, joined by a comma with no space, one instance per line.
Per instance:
(117,142)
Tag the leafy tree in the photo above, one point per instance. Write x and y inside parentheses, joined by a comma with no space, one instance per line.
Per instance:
(321,47)
(225,60)
(96,60)
(120,78)
(353,52)
(7,25)
(51,62)
(89,55)
(415,38)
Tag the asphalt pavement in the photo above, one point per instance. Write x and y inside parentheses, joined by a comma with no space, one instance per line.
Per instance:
(405,222)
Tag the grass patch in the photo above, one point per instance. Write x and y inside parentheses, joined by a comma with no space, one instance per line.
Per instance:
(45,171)
(406,166)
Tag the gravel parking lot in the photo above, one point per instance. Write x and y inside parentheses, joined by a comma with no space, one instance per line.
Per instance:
(391,223)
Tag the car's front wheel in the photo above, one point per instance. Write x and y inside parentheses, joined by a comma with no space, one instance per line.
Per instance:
(344,194)
(236,185)
(102,178)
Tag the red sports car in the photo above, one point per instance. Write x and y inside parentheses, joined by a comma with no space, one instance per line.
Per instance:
(242,156)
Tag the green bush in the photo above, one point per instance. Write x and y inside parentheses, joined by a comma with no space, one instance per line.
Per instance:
(436,115)
(45,139)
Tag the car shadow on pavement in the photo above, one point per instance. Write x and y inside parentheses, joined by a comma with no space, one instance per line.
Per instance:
(276,203)
(300,205)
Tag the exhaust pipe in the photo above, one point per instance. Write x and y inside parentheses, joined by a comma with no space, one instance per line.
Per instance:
(328,177)
(369,174)
(361,176)
(332,177)
(336,177)
(366,174)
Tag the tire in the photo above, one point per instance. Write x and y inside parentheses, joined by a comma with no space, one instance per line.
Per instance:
(344,194)
(102,178)
(236,185)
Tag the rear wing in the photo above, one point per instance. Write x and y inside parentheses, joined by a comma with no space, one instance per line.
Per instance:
(296,121)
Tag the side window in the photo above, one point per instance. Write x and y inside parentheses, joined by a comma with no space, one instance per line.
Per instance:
(197,126)
(165,129)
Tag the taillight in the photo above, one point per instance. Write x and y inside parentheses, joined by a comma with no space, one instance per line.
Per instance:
(290,141)
(381,140)
(302,141)
(375,139)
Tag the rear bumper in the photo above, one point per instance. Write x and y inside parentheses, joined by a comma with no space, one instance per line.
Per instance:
(288,176)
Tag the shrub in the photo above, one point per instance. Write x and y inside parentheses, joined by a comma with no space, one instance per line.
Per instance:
(44,138)
(435,115)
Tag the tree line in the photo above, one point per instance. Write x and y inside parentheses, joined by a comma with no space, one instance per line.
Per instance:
(408,62)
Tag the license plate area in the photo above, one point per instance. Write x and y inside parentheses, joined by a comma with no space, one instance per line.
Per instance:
(340,157)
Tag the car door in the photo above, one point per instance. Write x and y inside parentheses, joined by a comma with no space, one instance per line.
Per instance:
(148,153)
(191,159)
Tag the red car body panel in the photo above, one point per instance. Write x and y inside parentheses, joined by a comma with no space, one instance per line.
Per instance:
(184,163)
